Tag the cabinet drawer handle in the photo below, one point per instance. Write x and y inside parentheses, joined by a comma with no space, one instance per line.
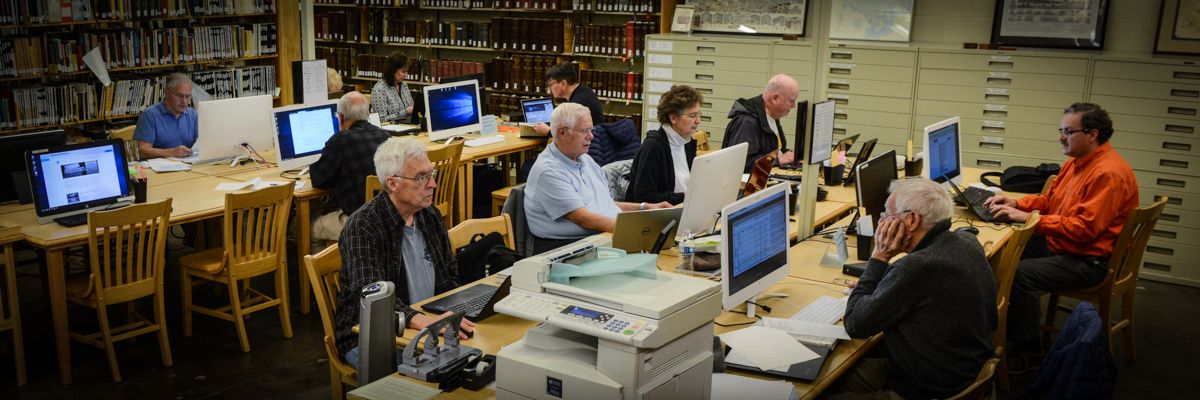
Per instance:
(995,113)
(839,131)
(1186,75)
(704,90)
(706,49)
(1157,266)
(1165,234)
(1169,217)
(840,101)
(992,146)
(705,63)
(1175,201)
(988,163)
(991,129)
(1171,182)
(1000,97)
(839,86)
(1176,146)
(838,115)
(1179,128)
(705,118)
(1181,110)
(1185,93)
(1160,250)
(840,71)
(841,55)
(1000,64)
(704,77)
(705,104)
(1172,163)
(999,81)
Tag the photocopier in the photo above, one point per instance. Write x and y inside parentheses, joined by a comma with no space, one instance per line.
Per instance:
(612,326)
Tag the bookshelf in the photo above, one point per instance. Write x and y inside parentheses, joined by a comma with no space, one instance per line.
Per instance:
(229,47)
(510,41)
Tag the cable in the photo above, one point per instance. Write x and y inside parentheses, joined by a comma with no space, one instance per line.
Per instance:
(756,318)
(765,308)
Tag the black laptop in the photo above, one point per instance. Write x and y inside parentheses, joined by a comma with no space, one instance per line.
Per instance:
(475,302)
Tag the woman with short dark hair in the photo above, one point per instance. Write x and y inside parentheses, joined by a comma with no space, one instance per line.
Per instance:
(662,167)
(390,97)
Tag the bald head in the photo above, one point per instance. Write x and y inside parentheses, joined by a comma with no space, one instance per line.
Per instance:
(780,95)
(353,107)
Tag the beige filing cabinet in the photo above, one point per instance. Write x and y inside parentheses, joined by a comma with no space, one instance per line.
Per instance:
(1010,104)
(723,68)
(873,88)
(1154,105)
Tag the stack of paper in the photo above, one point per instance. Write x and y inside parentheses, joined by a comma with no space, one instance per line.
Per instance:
(166,165)
(256,183)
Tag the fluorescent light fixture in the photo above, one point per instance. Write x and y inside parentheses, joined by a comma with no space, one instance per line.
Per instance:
(746,29)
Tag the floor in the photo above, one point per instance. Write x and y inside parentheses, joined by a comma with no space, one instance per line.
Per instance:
(210,364)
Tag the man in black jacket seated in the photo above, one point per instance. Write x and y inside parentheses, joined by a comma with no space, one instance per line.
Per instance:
(756,121)
(662,167)
(936,306)
(344,166)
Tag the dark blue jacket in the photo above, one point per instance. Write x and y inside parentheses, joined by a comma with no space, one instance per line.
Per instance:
(1079,365)
(614,141)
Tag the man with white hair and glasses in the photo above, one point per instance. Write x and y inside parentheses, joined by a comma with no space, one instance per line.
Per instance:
(936,305)
(400,237)
(345,164)
(567,196)
(168,128)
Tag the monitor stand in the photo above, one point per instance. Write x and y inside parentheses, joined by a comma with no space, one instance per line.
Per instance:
(303,171)
(752,306)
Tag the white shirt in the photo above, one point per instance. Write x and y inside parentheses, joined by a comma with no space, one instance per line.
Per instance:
(678,159)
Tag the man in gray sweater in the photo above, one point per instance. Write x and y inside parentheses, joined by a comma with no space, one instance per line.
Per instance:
(936,306)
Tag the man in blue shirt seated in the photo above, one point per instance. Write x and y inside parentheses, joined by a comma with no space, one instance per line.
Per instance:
(567,196)
(169,128)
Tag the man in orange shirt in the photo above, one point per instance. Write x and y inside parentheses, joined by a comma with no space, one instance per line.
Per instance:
(1081,216)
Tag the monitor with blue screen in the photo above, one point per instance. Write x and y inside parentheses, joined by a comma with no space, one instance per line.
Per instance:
(452,109)
(301,133)
(537,110)
(754,245)
(943,152)
(75,179)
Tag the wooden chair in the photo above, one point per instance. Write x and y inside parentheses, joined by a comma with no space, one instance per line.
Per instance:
(701,140)
(322,270)
(10,310)
(982,388)
(461,234)
(445,161)
(1049,183)
(1004,265)
(127,249)
(254,244)
(1121,281)
(372,187)
(126,135)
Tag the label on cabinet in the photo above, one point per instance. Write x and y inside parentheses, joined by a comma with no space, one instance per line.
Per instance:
(993,124)
(1004,75)
(994,107)
(659,87)
(1001,58)
(661,73)
(660,45)
(666,59)
(991,139)
(996,91)
(841,66)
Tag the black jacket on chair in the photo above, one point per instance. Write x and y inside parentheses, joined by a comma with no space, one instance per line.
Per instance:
(652,177)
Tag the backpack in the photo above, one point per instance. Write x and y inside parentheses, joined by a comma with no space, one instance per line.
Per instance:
(483,256)
(1022,179)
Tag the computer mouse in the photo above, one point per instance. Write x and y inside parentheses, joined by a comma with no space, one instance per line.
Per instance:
(969,229)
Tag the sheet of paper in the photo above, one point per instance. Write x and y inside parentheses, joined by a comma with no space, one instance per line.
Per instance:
(315,81)
(822,132)
(393,387)
(95,62)
(235,186)
(865,226)
(166,165)
(488,125)
(768,348)
(805,328)
(729,386)
(259,183)
(189,159)
(737,358)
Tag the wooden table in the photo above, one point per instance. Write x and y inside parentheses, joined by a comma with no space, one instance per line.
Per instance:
(513,145)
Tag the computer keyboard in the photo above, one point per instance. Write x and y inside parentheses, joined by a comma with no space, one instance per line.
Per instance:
(824,310)
(484,141)
(472,306)
(975,197)
(72,220)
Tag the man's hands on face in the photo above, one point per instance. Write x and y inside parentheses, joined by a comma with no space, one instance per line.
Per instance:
(892,237)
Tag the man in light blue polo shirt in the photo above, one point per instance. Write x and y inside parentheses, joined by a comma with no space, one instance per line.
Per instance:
(567,195)
(169,128)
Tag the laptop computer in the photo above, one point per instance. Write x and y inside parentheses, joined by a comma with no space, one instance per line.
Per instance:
(864,154)
(636,231)
(537,110)
(974,198)
(476,302)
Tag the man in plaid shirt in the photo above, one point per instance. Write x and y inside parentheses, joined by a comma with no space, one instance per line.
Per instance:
(344,166)
(400,237)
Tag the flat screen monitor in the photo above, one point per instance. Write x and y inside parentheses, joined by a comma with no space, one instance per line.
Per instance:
(452,109)
(722,178)
(754,245)
(874,178)
(228,123)
(12,160)
(477,78)
(537,110)
(864,154)
(301,133)
(801,129)
(822,132)
(943,153)
(77,178)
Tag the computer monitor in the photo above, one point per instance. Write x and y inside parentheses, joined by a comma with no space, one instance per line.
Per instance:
(719,178)
(864,154)
(943,153)
(78,178)
(754,245)
(477,78)
(228,123)
(452,109)
(301,132)
(801,130)
(13,178)
(874,178)
(537,110)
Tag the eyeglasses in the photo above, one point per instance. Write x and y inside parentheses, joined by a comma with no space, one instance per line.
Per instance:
(587,131)
(694,115)
(886,214)
(421,179)
(181,96)
(1068,131)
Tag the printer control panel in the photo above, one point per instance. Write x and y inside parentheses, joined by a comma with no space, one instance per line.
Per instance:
(620,328)
(603,320)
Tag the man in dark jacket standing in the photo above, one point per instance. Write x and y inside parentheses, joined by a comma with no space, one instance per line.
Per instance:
(756,121)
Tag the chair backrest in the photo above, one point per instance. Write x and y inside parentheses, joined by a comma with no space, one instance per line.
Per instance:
(701,140)
(461,234)
(514,207)
(1004,266)
(372,187)
(127,248)
(126,136)
(256,228)
(982,387)
(445,161)
(1049,183)
(1127,252)
(323,269)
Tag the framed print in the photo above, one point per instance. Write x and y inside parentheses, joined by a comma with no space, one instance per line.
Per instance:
(682,21)
(1178,27)
(884,21)
(763,17)
(1064,24)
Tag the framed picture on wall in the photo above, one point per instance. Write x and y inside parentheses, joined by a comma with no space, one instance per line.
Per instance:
(1057,24)
(764,17)
(682,21)
(883,21)
(1178,27)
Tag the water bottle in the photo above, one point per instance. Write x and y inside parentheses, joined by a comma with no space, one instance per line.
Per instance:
(687,252)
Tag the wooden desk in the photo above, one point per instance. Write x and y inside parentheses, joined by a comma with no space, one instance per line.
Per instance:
(513,144)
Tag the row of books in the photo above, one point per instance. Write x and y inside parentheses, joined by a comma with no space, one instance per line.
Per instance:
(639,6)
(57,11)
(531,34)
(626,40)
(521,72)
(22,56)
(236,82)
(341,26)
(48,105)
(613,84)
(435,70)
(338,58)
